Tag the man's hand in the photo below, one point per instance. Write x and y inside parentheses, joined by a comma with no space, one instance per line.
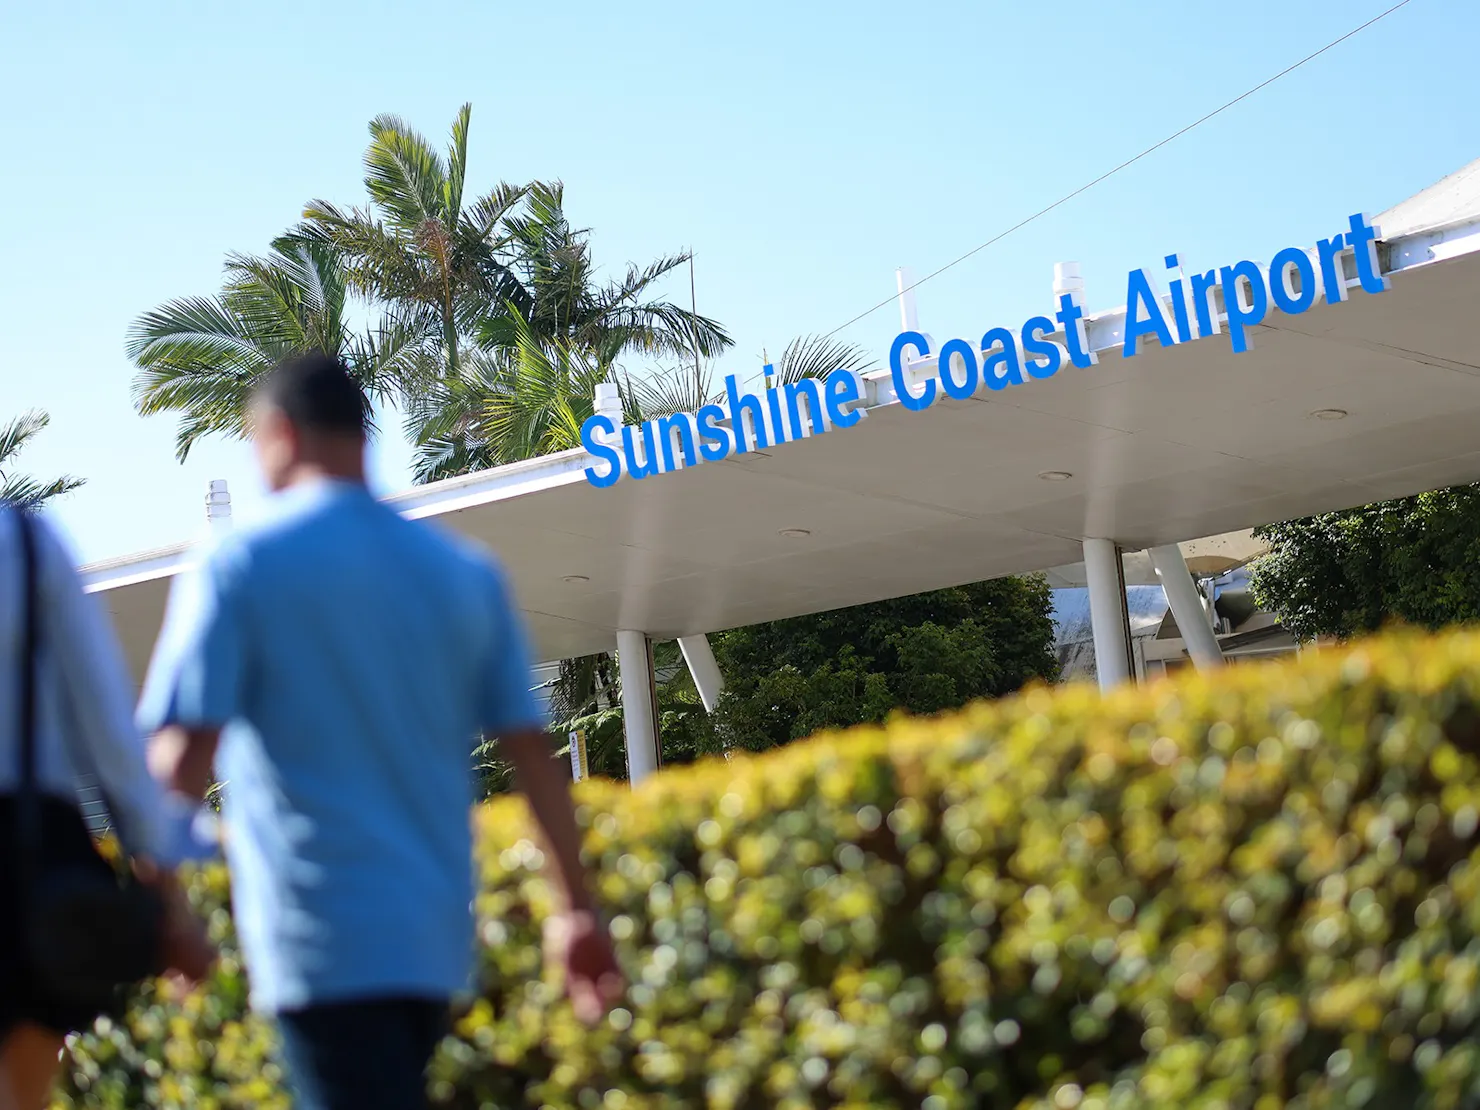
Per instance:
(575,940)
(187,952)
(579,946)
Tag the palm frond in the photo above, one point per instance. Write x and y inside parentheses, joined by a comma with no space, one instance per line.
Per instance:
(813,356)
(208,400)
(492,209)
(396,359)
(27,493)
(653,326)
(543,223)
(291,300)
(457,163)
(638,278)
(684,389)
(202,357)
(446,457)
(659,327)
(443,421)
(18,432)
(22,490)
(377,263)
(405,177)
(547,395)
(190,331)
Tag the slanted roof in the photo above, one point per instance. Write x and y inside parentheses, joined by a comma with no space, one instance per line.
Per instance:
(1451,201)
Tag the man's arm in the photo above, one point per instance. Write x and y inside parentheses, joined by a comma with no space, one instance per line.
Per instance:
(509,710)
(195,678)
(181,759)
(575,940)
(548,793)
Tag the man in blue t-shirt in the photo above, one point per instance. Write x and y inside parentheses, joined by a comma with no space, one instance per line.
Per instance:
(343,659)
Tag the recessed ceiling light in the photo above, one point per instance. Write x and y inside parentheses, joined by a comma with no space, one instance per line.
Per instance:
(795,533)
(1055,475)
(1329,414)
(573,579)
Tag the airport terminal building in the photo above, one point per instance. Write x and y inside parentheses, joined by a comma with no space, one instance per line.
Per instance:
(1103,446)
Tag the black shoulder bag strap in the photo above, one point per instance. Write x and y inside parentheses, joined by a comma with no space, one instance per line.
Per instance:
(28,799)
(86,935)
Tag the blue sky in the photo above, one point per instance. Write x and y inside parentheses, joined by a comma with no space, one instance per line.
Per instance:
(802,150)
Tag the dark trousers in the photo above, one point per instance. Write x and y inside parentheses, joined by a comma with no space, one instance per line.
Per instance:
(369,1054)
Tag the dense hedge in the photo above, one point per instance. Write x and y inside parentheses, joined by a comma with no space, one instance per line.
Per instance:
(1256,890)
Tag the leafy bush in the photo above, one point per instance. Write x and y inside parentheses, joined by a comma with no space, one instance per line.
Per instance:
(1255,890)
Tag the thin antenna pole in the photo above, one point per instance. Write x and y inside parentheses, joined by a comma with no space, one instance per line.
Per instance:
(694,323)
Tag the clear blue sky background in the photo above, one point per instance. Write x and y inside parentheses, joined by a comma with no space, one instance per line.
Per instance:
(803,150)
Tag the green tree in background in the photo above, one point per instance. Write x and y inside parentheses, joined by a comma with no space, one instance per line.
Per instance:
(788,679)
(922,654)
(527,385)
(558,295)
(523,402)
(422,244)
(21,489)
(202,357)
(491,325)
(529,399)
(1415,560)
(524,327)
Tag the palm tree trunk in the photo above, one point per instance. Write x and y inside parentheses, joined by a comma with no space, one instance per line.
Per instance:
(449,337)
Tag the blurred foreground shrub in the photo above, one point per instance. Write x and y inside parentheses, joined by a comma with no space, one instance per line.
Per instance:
(1254,890)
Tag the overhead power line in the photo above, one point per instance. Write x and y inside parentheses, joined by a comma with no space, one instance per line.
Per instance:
(1124,165)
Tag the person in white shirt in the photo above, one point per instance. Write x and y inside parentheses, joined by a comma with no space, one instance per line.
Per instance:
(83,729)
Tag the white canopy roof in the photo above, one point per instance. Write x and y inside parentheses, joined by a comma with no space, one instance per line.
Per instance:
(1176,443)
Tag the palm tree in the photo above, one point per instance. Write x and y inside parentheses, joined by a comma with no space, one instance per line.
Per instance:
(418,245)
(22,490)
(202,357)
(487,278)
(559,298)
(530,399)
(501,407)
(555,334)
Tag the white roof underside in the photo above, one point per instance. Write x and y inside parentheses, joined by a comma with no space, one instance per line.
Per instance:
(1178,443)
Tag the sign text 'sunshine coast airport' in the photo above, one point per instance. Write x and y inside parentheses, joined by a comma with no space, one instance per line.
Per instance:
(812,406)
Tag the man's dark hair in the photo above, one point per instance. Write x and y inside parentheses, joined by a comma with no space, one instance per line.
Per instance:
(316,393)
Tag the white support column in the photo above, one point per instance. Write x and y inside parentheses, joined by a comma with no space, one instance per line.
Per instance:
(700,657)
(218,507)
(639,712)
(1187,606)
(1107,612)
